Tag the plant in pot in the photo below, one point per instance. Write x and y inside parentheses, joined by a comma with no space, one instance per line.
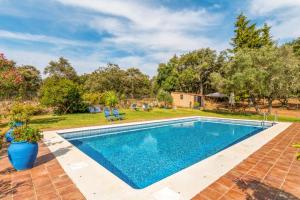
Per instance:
(20,115)
(22,151)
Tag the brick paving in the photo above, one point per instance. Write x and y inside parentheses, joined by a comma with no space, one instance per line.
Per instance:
(46,181)
(271,173)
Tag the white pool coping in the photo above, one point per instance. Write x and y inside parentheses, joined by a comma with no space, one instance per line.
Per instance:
(96,182)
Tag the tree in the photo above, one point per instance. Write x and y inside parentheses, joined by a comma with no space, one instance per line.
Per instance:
(106,79)
(31,81)
(164,96)
(93,98)
(289,76)
(61,69)
(189,72)
(266,38)
(63,95)
(137,84)
(10,79)
(131,83)
(249,36)
(259,73)
(295,44)
(111,99)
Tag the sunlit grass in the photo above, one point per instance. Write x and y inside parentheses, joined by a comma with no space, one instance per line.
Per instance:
(54,122)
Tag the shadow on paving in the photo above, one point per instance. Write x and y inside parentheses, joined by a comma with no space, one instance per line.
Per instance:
(256,190)
(50,156)
(7,189)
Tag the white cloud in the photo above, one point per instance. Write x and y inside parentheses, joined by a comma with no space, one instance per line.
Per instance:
(148,26)
(282,15)
(41,38)
(149,34)
(262,7)
(42,59)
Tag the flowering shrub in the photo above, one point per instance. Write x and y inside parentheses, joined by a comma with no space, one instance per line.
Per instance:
(10,78)
(27,134)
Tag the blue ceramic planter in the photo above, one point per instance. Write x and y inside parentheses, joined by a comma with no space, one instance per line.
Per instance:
(22,155)
(17,124)
(8,134)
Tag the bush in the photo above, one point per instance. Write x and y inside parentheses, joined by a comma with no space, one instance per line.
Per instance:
(22,112)
(63,95)
(164,96)
(110,99)
(27,134)
(93,98)
(196,105)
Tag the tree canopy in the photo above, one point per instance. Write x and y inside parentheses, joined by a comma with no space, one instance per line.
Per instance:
(131,82)
(61,69)
(247,35)
(63,95)
(189,72)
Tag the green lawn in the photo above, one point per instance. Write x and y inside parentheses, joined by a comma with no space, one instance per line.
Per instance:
(52,122)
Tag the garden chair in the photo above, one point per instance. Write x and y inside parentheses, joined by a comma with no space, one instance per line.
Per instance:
(117,114)
(134,107)
(146,107)
(107,115)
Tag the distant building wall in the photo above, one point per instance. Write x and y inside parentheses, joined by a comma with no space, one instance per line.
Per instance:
(184,100)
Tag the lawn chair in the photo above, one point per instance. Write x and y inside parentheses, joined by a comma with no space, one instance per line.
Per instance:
(117,114)
(107,115)
(146,107)
(94,109)
(134,107)
(91,109)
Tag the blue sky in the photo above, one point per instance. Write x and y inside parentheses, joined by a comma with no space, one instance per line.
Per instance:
(131,33)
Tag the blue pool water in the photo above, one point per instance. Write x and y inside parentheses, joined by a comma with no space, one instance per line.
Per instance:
(144,155)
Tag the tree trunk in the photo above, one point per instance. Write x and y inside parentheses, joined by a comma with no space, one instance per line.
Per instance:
(270,101)
(202,103)
(255,105)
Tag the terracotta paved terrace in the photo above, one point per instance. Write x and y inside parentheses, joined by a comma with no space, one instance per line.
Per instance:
(47,180)
(271,173)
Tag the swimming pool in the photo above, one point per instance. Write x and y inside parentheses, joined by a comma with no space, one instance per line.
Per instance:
(143,154)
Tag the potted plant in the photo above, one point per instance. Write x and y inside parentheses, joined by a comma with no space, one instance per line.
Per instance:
(12,125)
(20,115)
(22,151)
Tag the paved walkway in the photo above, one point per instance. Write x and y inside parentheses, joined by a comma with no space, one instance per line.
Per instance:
(270,173)
(46,181)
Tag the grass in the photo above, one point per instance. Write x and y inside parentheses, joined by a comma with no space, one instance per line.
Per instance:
(52,122)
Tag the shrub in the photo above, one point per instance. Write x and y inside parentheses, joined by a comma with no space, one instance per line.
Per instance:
(63,95)
(27,133)
(110,99)
(93,98)
(197,105)
(164,96)
(22,112)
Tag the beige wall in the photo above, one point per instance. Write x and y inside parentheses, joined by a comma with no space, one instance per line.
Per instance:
(186,102)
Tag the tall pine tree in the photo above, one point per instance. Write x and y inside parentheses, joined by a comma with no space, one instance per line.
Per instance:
(248,36)
(266,38)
